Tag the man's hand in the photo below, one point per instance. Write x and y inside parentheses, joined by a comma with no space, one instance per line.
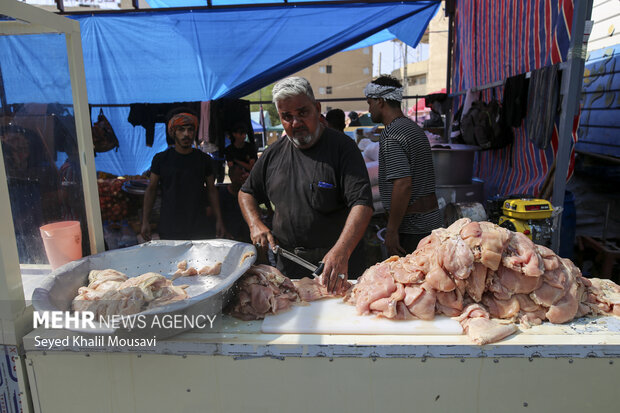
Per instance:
(261,235)
(145,231)
(392,244)
(335,270)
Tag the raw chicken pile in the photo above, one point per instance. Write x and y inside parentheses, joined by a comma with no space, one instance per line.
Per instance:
(263,290)
(480,272)
(111,292)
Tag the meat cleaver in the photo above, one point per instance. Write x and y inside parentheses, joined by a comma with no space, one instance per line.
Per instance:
(316,271)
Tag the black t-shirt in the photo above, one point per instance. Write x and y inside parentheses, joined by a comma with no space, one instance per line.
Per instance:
(183,194)
(244,154)
(312,190)
(231,215)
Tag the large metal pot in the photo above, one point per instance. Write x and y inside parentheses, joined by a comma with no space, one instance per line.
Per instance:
(454,163)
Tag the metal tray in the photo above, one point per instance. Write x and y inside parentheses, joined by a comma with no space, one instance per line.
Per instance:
(208,295)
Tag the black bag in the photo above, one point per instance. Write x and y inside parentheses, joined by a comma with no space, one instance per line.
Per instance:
(483,125)
(104,138)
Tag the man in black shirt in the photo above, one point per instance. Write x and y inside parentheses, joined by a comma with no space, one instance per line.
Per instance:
(317,180)
(239,151)
(182,171)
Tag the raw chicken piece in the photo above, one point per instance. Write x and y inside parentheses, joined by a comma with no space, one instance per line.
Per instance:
(456,257)
(211,270)
(375,283)
(191,271)
(484,331)
(605,294)
(405,272)
(262,290)
(423,307)
(475,284)
(522,255)
(566,308)
(182,265)
(516,282)
(438,278)
(310,289)
(493,244)
(551,261)
(112,293)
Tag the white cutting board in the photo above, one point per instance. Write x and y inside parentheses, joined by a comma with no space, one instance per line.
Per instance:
(332,316)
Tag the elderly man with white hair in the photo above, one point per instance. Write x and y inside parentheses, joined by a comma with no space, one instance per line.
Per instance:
(406,174)
(318,183)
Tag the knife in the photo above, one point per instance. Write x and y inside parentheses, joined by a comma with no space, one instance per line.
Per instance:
(316,271)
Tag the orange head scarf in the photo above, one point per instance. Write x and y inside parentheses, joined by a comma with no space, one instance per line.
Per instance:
(181,119)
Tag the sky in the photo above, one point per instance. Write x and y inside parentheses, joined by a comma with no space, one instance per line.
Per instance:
(391,54)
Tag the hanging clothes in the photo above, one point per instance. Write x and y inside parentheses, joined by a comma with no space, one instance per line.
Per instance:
(225,113)
(515,99)
(205,116)
(543,97)
(148,114)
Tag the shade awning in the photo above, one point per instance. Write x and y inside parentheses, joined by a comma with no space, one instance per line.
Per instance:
(198,55)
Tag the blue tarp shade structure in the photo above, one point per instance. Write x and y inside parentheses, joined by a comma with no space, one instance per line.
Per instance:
(166,56)
(382,36)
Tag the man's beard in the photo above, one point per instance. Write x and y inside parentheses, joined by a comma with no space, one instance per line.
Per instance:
(306,139)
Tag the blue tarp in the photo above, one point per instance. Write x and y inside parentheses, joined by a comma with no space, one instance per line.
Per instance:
(168,56)
(193,55)
(600,103)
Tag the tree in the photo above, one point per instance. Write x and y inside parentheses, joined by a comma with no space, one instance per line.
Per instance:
(264,94)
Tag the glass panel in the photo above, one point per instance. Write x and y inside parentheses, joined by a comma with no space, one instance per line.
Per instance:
(39,144)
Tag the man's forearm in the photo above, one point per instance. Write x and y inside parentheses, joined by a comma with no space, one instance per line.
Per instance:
(249,208)
(147,206)
(401,193)
(354,228)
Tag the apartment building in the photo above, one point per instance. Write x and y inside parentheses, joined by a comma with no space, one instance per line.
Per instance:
(429,75)
(343,75)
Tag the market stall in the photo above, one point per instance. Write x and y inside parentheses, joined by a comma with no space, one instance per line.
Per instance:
(235,366)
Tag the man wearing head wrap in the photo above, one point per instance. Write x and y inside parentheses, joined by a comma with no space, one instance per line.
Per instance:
(406,174)
(317,181)
(186,178)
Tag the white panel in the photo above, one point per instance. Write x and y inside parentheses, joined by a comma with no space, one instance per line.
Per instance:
(129,383)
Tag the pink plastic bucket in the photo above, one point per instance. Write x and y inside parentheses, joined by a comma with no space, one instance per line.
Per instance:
(62,241)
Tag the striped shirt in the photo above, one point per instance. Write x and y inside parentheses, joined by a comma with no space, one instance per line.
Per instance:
(404,151)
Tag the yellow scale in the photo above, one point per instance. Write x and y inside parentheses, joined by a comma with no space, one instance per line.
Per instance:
(529,216)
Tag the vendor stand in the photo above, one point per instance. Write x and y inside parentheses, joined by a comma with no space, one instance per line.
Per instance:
(236,367)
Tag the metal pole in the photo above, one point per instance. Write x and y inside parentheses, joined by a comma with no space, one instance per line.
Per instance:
(405,80)
(572,80)
(450,6)
(3,102)
(84,139)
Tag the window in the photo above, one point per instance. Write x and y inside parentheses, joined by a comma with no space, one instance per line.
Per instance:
(321,69)
(328,68)
(321,91)
(366,71)
(328,90)
(416,80)
(366,50)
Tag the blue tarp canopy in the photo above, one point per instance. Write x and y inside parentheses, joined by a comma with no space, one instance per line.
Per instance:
(202,54)
(196,55)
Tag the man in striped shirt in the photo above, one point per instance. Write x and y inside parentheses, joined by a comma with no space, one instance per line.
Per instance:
(406,174)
